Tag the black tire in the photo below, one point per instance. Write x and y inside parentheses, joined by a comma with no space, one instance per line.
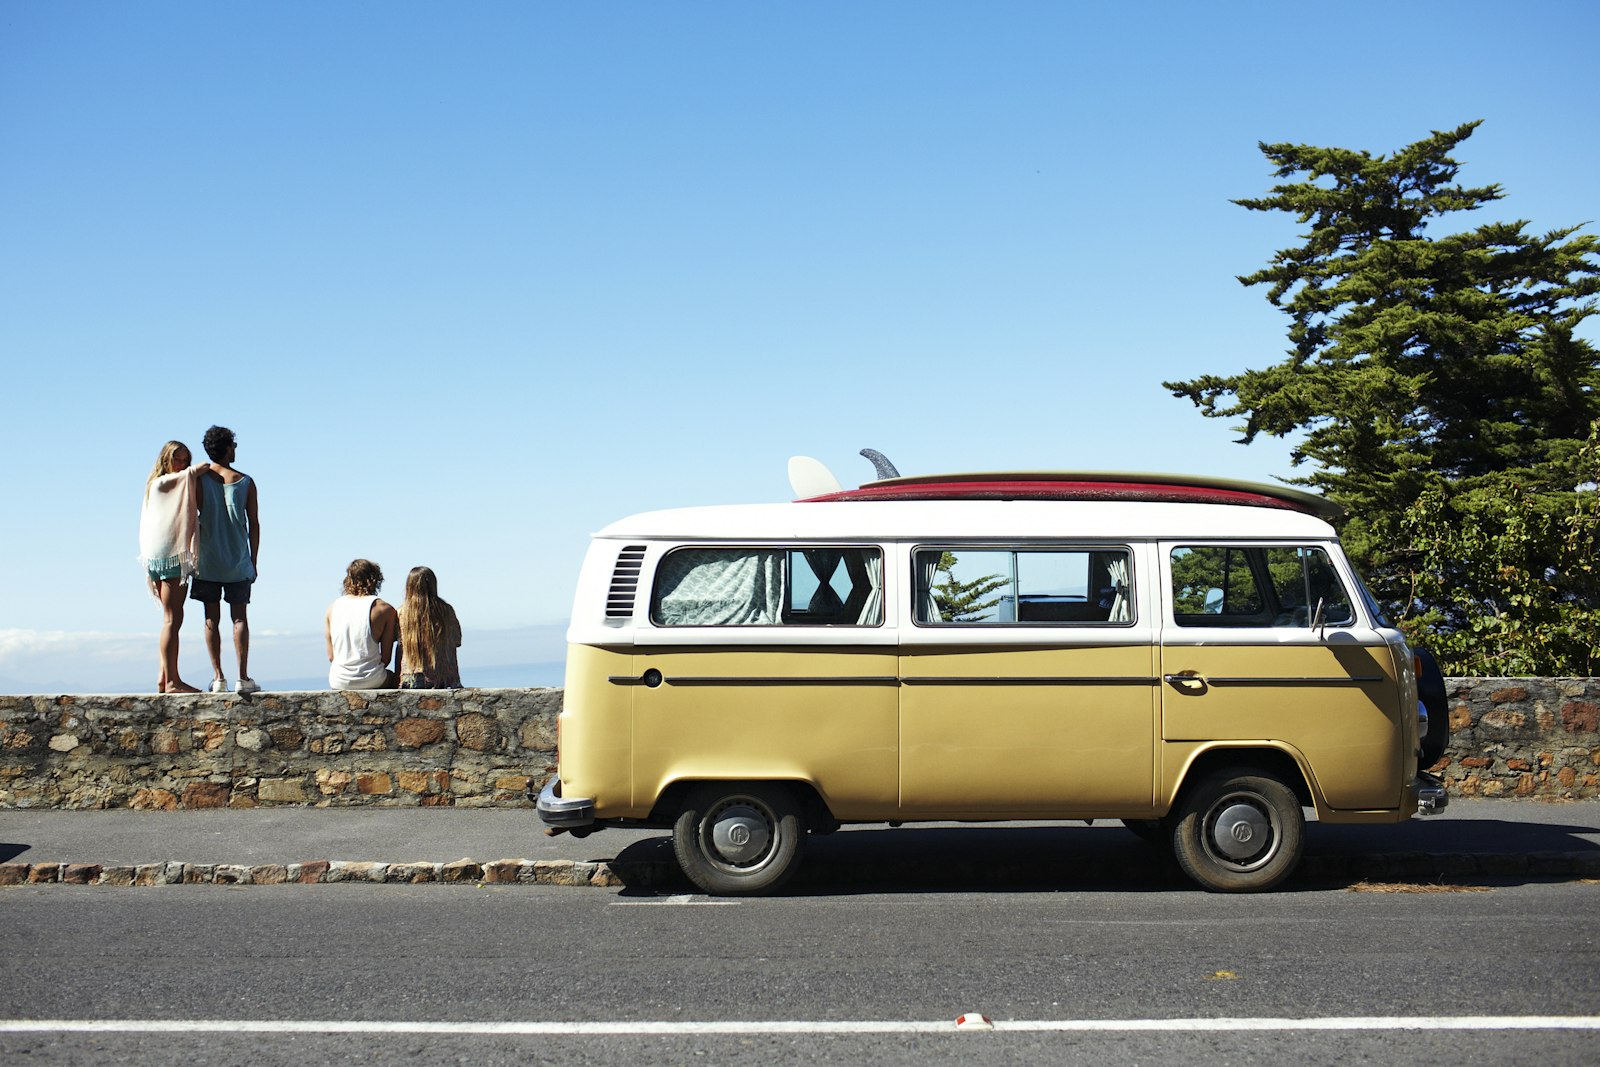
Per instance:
(1239,831)
(739,840)
(1430,691)
(1150,831)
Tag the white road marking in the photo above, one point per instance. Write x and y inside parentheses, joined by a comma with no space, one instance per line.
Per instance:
(677,900)
(356,1026)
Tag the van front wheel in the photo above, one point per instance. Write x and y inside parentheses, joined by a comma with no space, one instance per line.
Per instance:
(738,840)
(1240,831)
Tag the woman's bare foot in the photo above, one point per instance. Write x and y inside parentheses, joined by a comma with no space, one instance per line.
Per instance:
(179,687)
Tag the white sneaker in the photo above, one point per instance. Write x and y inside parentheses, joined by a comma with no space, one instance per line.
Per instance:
(218,685)
(247,685)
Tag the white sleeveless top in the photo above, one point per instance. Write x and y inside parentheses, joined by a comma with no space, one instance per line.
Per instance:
(357,662)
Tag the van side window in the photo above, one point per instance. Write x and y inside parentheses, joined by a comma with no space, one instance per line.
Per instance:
(1219,585)
(998,586)
(818,586)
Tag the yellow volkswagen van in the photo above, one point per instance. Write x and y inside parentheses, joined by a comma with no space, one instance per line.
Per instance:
(1192,656)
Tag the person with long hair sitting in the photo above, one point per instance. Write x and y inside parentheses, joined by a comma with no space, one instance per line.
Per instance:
(429,635)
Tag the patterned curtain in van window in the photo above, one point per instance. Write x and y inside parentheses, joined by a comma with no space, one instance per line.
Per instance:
(720,587)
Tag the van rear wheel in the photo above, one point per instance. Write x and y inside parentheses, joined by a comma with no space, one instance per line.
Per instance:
(739,840)
(1240,831)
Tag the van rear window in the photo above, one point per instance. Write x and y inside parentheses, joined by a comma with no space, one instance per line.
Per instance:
(821,585)
(1003,586)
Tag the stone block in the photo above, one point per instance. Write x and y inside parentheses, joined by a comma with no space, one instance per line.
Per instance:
(478,732)
(374,783)
(163,742)
(269,874)
(605,877)
(287,738)
(1578,716)
(417,733)
(63,743)
(209,735)
(80,873)
(13,873)
(282,790)
(413,872)
(118,876)
(1509,695)
(252,740)
(501,872)
(17,740)
(158,874)
(310,872)
(205,795)
(154,800)
(199,873)
(41,873)
(331,783)
(462,870)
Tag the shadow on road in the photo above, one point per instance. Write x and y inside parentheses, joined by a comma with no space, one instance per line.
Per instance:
(1107,856)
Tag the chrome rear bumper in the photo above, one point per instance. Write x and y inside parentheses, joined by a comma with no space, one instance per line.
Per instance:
(563,813)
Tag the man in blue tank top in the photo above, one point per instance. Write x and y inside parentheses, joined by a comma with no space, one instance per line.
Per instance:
(230,540)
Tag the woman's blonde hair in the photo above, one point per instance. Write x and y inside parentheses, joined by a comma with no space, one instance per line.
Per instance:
(164,462)
(424,621)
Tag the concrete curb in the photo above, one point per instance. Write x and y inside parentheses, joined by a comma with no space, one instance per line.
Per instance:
(1407,867)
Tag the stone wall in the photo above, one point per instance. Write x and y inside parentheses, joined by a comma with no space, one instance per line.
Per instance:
(1513,737)
(467,747)
(1524,737)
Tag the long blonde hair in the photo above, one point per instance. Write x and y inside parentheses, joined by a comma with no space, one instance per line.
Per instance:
(424,621)
(164,462)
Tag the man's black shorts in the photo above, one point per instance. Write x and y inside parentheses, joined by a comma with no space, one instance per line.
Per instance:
(211,592)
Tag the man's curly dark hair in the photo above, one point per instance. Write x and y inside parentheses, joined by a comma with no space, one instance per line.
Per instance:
(217,441)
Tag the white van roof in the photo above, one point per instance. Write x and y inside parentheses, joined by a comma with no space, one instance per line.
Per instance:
(999,520)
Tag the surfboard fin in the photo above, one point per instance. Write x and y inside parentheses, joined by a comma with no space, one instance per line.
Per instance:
(810,477)
(880,464)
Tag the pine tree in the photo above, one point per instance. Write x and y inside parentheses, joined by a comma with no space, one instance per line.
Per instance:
(1441,371)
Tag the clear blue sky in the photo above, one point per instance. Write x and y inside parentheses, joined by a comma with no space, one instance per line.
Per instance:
(470,281)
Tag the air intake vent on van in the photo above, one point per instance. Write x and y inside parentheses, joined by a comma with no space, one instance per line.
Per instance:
(624,583)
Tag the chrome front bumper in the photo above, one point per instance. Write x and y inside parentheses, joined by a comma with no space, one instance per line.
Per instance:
(563,813)
(1431,797)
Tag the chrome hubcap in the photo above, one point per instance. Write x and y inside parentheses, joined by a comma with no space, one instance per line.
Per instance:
(740,833)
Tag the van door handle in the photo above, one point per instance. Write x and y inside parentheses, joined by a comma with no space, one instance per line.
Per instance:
(1189,681)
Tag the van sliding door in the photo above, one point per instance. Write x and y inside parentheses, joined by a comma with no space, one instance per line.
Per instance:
(1027,683)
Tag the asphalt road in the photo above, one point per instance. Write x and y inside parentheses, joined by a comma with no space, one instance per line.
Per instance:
(547,959)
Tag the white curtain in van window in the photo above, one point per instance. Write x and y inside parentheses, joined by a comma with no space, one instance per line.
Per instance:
(1117,569)
(927,574)
(720,587)
(872,608)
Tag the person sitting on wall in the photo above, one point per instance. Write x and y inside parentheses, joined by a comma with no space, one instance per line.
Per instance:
(429,635)
(362,632)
